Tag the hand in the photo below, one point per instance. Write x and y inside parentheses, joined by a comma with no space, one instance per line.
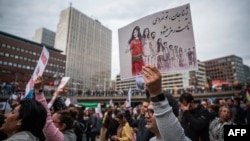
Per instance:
(39,83)
(152,80)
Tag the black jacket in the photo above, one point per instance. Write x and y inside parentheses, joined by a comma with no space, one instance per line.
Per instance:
(196,124)
(143,134)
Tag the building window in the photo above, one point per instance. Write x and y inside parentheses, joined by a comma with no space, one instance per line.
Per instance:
(16,57)
(22,50)
(18,49)
(7,54)
(11,55)
(8,46)
(13,47)
(3,45)
(1,62)
(1,53)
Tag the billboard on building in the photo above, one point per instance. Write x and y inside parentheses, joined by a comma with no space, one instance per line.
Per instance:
(164,39)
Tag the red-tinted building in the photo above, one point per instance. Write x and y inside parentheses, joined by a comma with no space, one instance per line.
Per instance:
(19,57)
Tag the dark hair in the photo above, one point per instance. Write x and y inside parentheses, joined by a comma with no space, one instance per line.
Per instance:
(59,104)
(66,118)
(132,36)
(33,116)
(120,115)
(186,97)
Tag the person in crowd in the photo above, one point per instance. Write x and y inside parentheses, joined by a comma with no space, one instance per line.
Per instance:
(59,126)
(93,124)
(86,118)
(136,50)
(79,127)
(216,127)
(2,134)
(159,115)
(142,133)
(230,103)
(25,122)
(195,118)
(124,131)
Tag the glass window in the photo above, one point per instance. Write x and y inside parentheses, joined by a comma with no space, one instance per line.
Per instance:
(22,50)
(1,62)
(5,63)
(34,53)
(8,46)
(19,66)
(11,55)
(14,65)
(29,59)
(10,63)
(16,57)
(1,53)
(7,54)
(26,51)
(30,52)
(28,67)
(21,57)
(13,47)
(18,49)
(25,59)
(23,66)
(3,45)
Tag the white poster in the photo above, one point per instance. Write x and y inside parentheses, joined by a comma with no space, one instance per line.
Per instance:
(63,82)
(164,39)
(40,67)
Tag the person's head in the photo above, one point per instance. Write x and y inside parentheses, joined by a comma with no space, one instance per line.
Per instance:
(225,113)
(144,106)
(136,33)
(91,111)
(120,118)
(146,33)
(204,103)
(28,115)
(153,34)
(151,119)
(63,120)
(230,102)
(187,98)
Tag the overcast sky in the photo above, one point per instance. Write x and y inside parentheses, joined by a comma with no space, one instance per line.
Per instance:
(221,27)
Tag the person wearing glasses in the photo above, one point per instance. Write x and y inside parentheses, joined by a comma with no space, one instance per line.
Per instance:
(159,116)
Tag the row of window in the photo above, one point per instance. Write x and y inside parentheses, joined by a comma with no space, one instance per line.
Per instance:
(27,59)
(22,66)
(28,52)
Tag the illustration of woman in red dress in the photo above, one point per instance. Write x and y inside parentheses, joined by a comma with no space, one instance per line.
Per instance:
(136,51)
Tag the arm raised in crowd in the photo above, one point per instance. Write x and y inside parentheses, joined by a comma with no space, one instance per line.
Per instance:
(50,131)
(168,126)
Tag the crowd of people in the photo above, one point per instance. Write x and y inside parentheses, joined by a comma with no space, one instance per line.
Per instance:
(160,117)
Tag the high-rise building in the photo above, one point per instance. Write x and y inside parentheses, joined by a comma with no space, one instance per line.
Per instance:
(87,45)
(228,68)
(45,36)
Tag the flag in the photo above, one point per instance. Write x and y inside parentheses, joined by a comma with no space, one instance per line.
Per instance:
(99,111)
(111,103)
(128,100)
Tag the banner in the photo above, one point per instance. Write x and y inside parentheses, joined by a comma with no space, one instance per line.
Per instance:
(40,67)
(63,82)
(164,39)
